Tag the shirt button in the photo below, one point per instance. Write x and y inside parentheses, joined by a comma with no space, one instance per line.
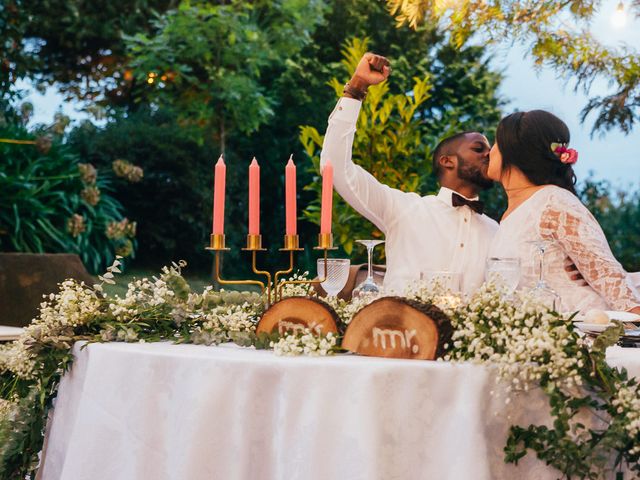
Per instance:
(461,245)
(465,220)
(339,108)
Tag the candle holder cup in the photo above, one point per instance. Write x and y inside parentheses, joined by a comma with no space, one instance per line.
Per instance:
(217,242)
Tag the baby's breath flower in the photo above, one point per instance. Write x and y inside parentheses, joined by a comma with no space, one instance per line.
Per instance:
(298,289)
(305,343)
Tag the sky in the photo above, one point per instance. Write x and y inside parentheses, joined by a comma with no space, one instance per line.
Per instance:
(613,157)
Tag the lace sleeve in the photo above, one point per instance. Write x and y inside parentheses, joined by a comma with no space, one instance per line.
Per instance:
(581,237)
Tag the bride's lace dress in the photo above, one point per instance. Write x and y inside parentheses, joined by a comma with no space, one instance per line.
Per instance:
(556,215)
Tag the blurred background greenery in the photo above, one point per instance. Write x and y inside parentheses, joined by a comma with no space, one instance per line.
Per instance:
(172,84)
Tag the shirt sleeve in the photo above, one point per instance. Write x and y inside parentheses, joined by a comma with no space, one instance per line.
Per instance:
(582,238)
(372,199)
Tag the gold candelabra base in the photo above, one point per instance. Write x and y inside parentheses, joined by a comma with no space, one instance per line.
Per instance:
(254,245)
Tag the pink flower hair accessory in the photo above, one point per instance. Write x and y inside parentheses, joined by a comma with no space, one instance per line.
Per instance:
(566,155)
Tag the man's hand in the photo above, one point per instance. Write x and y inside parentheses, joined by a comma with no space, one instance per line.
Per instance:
(574,273)
(371,70)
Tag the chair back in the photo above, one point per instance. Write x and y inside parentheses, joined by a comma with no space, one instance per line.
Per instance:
(26,277)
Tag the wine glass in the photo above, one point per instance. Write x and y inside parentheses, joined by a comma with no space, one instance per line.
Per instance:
(368,285)
(541,291)
(334,273)
(504,272)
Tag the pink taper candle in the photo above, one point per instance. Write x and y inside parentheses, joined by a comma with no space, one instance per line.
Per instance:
(327,198)
(290,197)
(254,198)
(218,196)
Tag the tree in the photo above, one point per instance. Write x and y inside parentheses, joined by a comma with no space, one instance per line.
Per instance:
(296,88)
(387,143)
(172,202)
(566,46)
(206,60)
(76,44)
(395,136)
(173,136)
(464,96)
(618,213)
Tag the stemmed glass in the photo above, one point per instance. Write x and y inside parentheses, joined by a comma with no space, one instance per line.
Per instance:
(335,274)
(543,292)
(504,272)
(368,285)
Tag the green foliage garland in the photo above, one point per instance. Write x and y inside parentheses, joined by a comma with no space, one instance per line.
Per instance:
(529,345)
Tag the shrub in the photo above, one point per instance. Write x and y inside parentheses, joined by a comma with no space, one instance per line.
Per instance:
(51,202)
(172,200)
(619,215)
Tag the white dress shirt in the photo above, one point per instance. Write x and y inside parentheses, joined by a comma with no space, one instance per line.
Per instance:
(423,234)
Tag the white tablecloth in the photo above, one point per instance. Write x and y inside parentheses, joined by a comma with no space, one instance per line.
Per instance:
(162,411)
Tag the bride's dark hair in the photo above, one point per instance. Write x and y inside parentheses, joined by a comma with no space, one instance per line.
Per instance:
(524,140)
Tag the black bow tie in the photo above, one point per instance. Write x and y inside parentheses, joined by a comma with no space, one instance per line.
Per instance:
(475,205)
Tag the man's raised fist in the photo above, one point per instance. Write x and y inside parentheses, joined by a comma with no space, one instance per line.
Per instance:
(371,70)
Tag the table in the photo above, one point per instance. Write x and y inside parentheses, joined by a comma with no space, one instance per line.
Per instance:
(9,333)
(162,411)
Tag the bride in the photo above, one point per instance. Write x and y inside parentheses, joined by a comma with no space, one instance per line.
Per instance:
(531,160)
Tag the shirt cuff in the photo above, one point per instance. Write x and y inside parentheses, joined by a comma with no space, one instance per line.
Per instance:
(347,110)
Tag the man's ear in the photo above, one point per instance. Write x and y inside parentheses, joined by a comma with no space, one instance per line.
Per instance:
(448,162)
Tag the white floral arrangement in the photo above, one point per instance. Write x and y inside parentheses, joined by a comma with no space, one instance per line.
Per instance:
(626,402)
(530,345)
(522,337)
(298,289)
(305,343)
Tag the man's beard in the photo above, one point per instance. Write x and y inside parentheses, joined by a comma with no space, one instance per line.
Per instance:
(473,174)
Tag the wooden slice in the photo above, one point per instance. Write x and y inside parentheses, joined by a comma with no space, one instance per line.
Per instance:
(397,327)
(293,314)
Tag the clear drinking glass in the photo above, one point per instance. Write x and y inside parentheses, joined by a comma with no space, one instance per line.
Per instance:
(541,291)
(450,281)
(335,276)
(504,272)
(368,285)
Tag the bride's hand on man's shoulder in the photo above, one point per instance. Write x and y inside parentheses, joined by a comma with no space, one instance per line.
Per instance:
(371,70)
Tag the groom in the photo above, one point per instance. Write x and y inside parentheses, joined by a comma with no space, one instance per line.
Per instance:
(443,232)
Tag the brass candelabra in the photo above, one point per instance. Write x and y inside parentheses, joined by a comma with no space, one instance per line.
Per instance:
(273,288)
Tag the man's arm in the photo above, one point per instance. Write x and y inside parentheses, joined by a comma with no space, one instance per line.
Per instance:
(355,185)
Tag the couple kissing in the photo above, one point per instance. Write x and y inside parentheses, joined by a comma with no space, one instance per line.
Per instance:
(532,161)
